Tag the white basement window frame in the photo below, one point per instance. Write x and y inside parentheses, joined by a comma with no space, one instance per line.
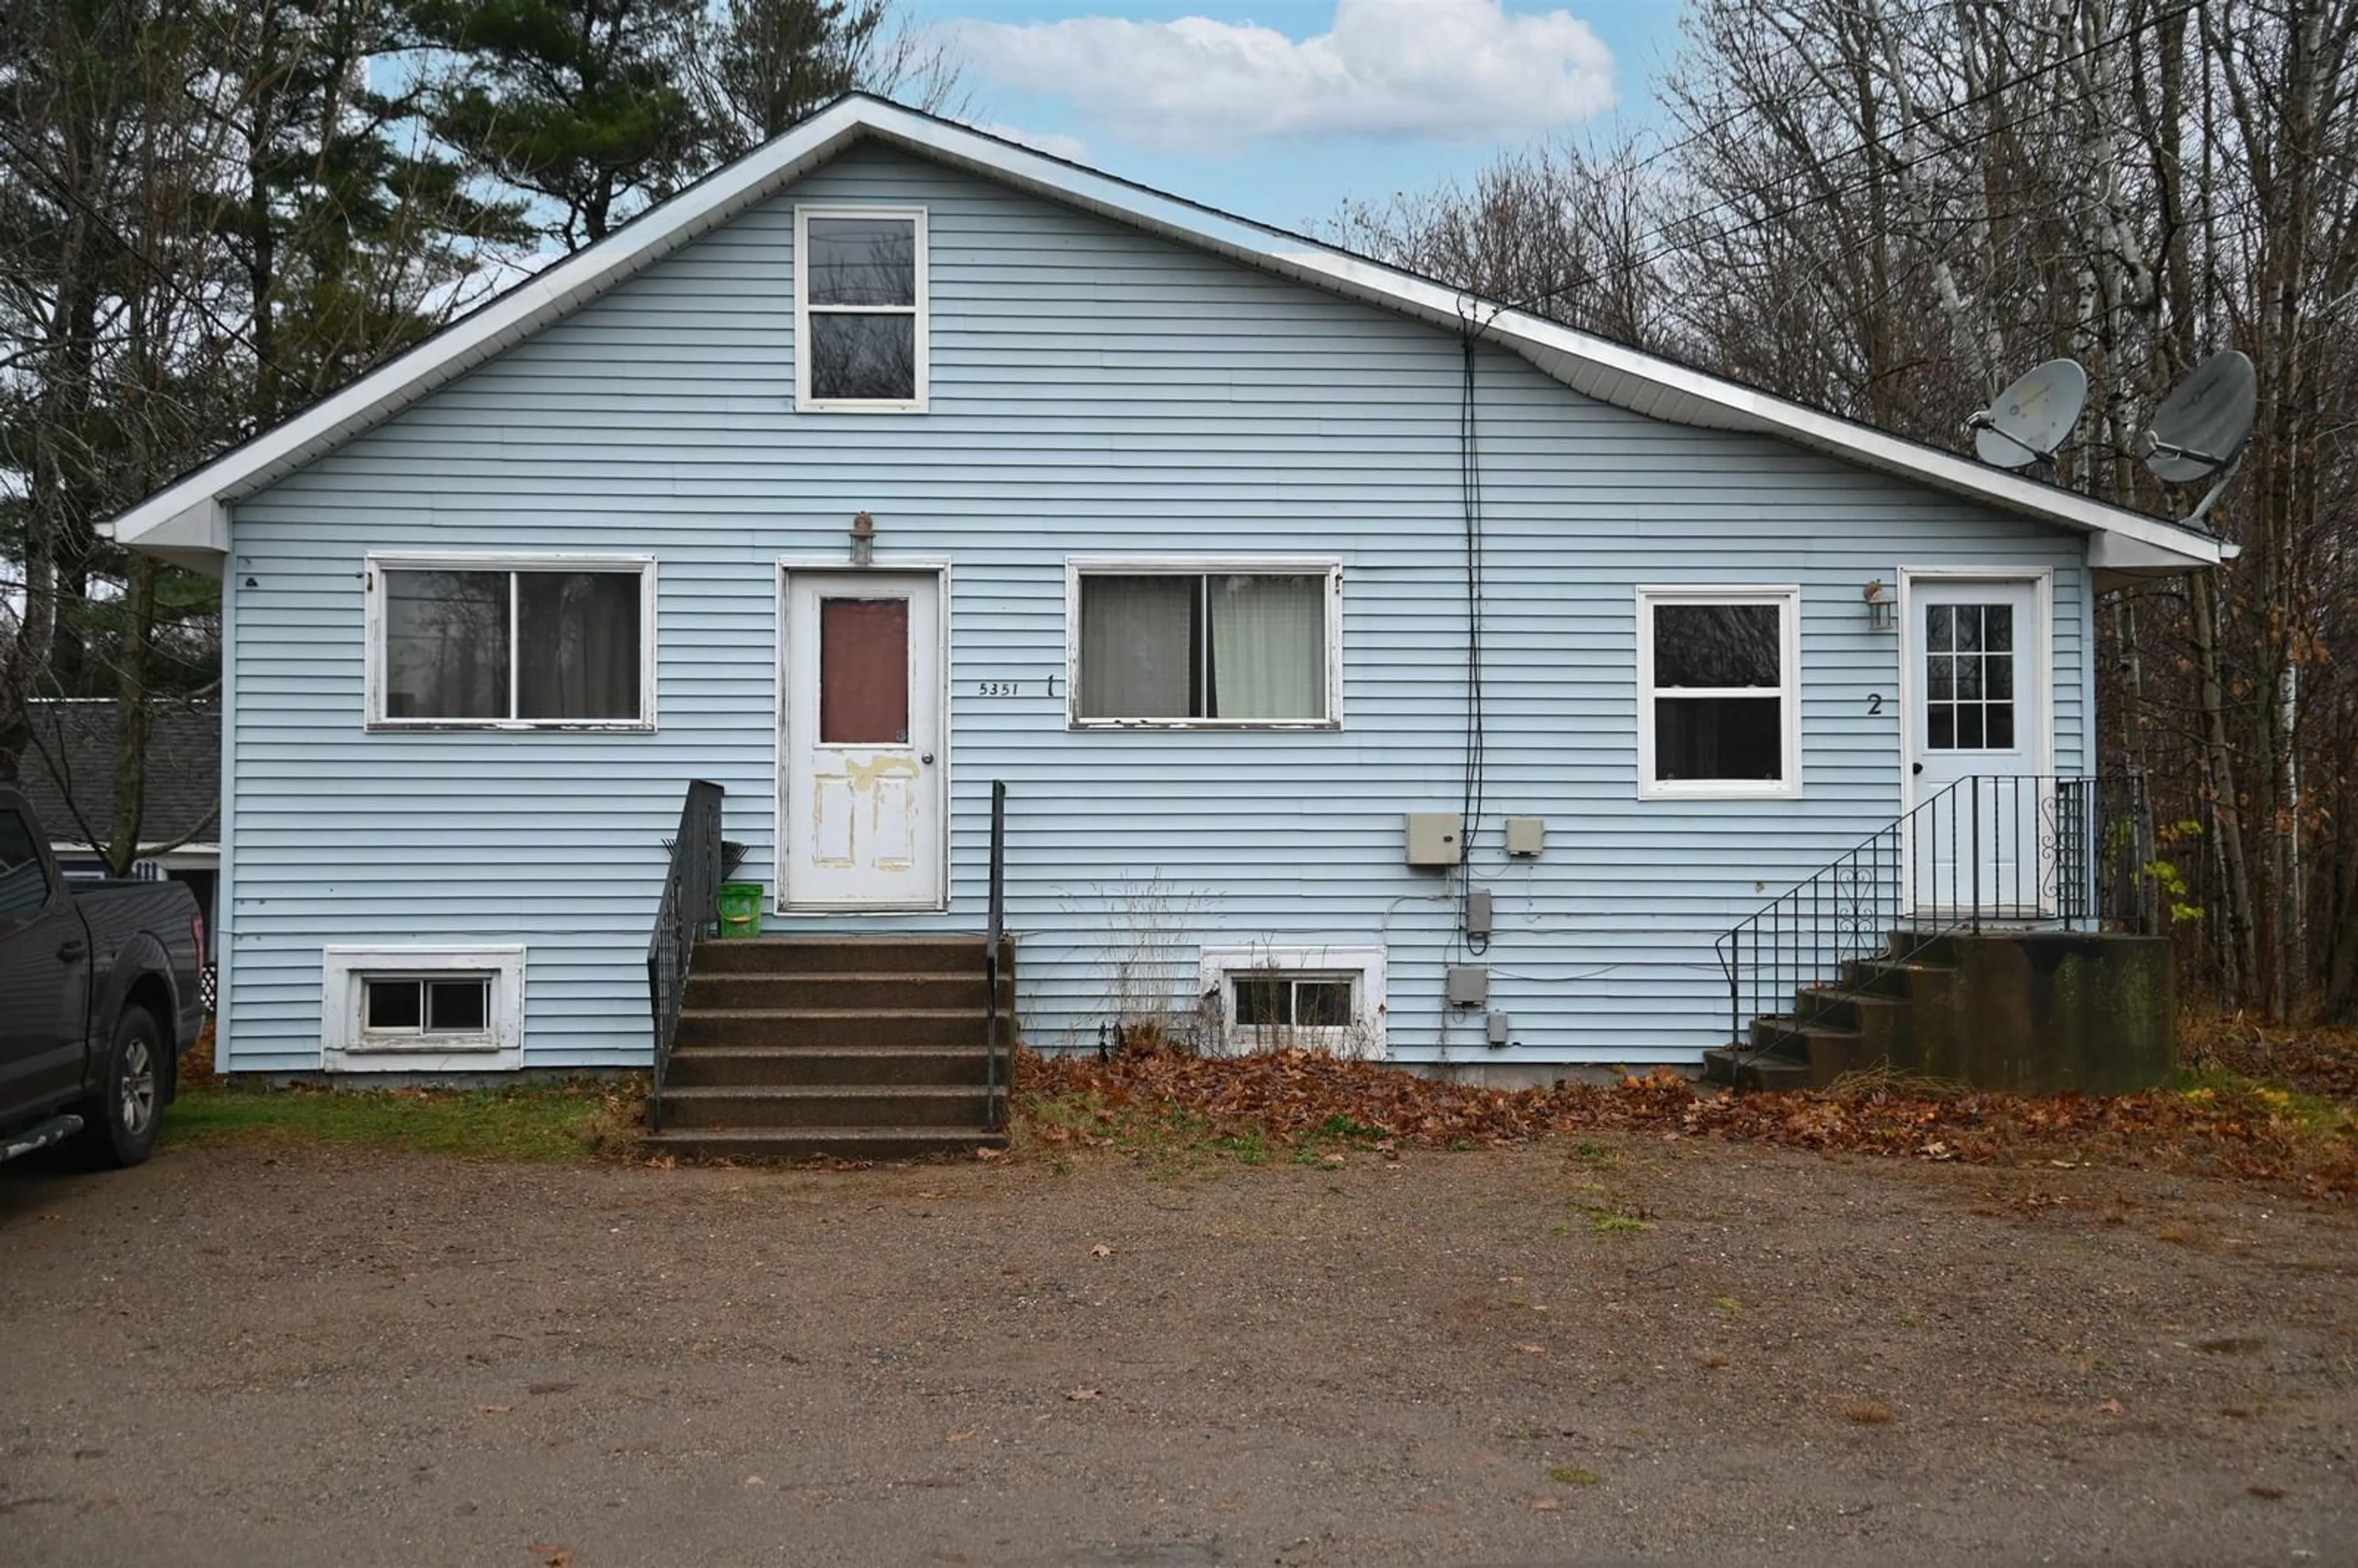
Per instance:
(360,1032)
(1299,975)
(810,399)
(518,566)
(1657,740)
(1080,691)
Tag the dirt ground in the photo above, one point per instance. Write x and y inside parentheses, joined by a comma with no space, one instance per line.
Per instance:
(1629,1348)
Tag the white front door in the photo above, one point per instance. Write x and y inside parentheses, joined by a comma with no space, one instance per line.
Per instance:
(1978,743)
(862,746)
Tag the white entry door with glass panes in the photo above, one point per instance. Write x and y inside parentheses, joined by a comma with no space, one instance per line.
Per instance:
(861,740)
(1978,746)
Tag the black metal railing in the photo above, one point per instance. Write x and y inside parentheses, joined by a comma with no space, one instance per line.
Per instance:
(995,933)
(2010,850)
(690,907)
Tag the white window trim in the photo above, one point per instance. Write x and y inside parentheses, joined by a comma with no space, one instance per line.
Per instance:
(1218,969)
(804,402)
(346,1047)
(1787,598)
(1078,567)
(378,565)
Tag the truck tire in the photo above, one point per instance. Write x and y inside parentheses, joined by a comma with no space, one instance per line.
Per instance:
(122,1121)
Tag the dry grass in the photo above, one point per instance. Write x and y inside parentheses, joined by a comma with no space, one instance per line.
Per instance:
(1866,1412)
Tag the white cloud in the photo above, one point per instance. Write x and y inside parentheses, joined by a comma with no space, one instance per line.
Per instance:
(1055,143)
(1450,69)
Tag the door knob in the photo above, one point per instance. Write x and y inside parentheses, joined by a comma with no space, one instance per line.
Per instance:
(1918,767)
(927,759)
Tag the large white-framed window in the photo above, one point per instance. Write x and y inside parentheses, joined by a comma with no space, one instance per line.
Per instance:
(422,1008)
(1306,997)
(1203,643)
(860,311)
(510,641)
(1719,688)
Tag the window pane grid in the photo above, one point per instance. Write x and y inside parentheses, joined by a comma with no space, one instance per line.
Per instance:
(1969,677)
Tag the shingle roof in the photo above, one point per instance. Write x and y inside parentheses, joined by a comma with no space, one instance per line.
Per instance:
(71,755)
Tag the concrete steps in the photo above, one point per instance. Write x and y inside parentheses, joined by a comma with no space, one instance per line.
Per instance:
(835,1048)
(1856,1024)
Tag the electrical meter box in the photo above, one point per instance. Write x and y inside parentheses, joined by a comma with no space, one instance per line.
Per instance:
(1469,984)
(1435,837)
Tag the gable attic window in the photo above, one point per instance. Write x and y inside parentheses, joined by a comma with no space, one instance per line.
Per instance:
(860,310)
(1718,693)
(1243,643)
(519,642)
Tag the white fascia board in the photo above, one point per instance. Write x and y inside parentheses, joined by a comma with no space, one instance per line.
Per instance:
(1611,372)
(2119,552)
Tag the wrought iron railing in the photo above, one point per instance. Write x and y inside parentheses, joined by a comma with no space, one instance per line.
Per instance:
(690,907)
(994,934)
(2009,849)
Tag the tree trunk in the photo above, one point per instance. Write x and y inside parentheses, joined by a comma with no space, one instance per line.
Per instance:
(122,848)
(2239,953)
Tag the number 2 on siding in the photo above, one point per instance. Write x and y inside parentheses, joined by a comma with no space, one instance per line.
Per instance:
(1875,702)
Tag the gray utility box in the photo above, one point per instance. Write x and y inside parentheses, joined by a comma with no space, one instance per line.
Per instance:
(1469,984)
(1526,836)
(1435,837)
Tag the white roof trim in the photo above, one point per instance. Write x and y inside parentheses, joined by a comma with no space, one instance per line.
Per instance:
(186,521)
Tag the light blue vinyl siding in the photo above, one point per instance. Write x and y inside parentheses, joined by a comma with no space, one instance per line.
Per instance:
(1094,391)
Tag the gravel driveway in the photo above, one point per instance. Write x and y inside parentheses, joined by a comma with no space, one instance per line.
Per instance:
(1636,1347)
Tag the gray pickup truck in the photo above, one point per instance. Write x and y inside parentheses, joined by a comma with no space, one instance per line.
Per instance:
(99,995)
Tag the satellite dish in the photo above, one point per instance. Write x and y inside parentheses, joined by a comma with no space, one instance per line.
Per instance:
(2030,419)
(2202,428)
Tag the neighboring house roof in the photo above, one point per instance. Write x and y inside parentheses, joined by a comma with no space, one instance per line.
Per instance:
(187,521)
(70,763)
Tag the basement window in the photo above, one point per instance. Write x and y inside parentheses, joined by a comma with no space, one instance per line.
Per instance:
(422,1008)
(1718,693)
(1234,644)
(1304,998)
(860,310)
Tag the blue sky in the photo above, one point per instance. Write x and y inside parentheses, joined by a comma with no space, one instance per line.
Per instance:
(1281,110)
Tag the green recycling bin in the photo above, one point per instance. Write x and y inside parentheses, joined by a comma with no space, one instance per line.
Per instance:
(741,909)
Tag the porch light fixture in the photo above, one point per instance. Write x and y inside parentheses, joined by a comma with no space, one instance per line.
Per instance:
(1881,608)
(863,539)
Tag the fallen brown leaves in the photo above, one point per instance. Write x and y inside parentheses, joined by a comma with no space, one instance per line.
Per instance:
(1300,1097)
(2316,1060)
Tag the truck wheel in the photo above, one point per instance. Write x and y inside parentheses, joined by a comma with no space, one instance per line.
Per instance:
(123,1118)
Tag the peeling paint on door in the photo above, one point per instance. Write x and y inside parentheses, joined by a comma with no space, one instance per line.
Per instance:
(862,821)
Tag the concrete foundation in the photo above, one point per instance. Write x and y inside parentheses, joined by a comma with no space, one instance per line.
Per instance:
(2036,1012)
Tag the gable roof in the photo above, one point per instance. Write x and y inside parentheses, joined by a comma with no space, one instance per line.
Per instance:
(67,769)
(187,521)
